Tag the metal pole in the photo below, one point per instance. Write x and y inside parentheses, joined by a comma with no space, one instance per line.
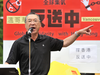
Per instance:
(30,56)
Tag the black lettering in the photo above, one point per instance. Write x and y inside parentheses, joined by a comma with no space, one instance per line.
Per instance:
(63,34)
(45,2)
(57,2)
(55,13)
(17,33)
(63,2)
(71,15)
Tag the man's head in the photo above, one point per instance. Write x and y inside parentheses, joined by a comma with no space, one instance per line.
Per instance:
(30,14)
(32,20)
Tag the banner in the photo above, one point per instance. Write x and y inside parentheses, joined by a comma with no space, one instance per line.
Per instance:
(59,18)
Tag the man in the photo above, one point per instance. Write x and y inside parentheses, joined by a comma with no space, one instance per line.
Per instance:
(41,45)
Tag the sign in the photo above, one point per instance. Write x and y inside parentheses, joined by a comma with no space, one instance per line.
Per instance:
(83,53)
(59,18)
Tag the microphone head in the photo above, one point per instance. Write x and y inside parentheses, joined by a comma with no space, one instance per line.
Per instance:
(30,31)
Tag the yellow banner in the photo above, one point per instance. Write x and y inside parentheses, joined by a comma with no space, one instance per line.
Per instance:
(90,19)
(15,19)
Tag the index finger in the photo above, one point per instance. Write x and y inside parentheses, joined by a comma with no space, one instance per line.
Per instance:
(89,26)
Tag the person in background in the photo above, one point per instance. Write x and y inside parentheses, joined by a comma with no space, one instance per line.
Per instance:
(41,46)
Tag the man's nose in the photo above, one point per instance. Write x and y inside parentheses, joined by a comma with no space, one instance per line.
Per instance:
(32,22)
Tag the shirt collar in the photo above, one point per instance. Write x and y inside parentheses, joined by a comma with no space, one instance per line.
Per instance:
(27,37)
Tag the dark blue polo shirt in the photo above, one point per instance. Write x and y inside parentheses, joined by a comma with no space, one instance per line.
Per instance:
(40,54)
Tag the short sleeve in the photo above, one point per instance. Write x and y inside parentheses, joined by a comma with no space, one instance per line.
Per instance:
(56,44)
(14,54)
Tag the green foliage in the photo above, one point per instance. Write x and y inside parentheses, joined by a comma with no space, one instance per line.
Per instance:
(1,32)
(1,8)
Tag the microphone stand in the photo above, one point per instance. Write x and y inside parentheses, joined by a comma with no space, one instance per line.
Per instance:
(29,36)
(29,56)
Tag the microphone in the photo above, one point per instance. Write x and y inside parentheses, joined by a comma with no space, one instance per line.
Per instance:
(30,31)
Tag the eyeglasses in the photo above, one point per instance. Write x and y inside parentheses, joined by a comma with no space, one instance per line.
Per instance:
(34,21)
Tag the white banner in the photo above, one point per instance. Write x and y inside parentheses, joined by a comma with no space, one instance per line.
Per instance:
(83,53)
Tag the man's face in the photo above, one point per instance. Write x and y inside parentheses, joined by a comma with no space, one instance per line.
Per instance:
(33,21)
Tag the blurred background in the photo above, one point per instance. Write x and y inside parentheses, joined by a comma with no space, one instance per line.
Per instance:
(1,31)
